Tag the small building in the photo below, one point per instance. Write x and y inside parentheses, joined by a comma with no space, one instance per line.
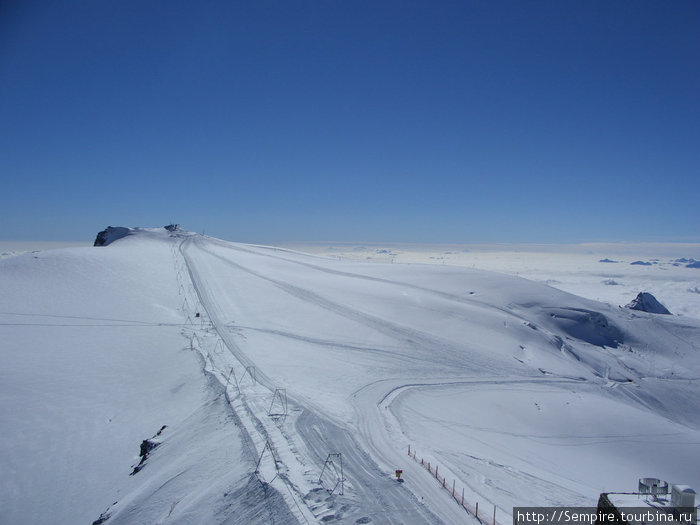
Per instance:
(654,494)
(682,496)
(653,486)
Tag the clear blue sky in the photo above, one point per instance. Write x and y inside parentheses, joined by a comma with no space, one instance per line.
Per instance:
(431,121)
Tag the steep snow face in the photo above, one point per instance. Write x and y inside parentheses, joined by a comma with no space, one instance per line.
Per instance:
(645,302)
(522,394)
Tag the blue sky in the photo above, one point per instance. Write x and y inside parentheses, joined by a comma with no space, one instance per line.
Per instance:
(459,121)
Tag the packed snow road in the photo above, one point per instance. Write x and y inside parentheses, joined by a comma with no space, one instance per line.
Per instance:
(370,495)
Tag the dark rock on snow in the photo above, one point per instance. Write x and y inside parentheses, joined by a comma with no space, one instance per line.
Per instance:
(646,302)
(111,234)
(147,446)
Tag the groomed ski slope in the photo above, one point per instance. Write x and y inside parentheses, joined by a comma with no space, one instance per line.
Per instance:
(522,394)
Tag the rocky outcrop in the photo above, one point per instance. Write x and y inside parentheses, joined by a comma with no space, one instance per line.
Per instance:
(147,446)
(111,234)
(645,302)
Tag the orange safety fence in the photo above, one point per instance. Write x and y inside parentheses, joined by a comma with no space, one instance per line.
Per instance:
(480,515)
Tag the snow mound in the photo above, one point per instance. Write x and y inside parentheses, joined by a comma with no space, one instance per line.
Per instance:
(646,302)
(111,234)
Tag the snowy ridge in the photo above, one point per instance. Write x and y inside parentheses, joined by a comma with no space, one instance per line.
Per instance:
(522,394)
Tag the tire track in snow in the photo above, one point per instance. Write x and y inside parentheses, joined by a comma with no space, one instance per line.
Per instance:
(250,422)
(318,431)
(397,353)
(372,401)
(382,498)
(374,494)
(445,295)
(412,338)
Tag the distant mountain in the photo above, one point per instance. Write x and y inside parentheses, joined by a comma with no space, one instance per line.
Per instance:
(646,302)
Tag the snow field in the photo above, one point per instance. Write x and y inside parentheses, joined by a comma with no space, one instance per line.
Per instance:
(576,269)
(521,393)
(559,441)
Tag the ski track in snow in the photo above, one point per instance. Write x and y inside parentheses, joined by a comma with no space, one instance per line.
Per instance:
(374,494)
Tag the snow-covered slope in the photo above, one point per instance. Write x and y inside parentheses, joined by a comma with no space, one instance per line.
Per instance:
(603,272)
(94,362)
(522,394)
